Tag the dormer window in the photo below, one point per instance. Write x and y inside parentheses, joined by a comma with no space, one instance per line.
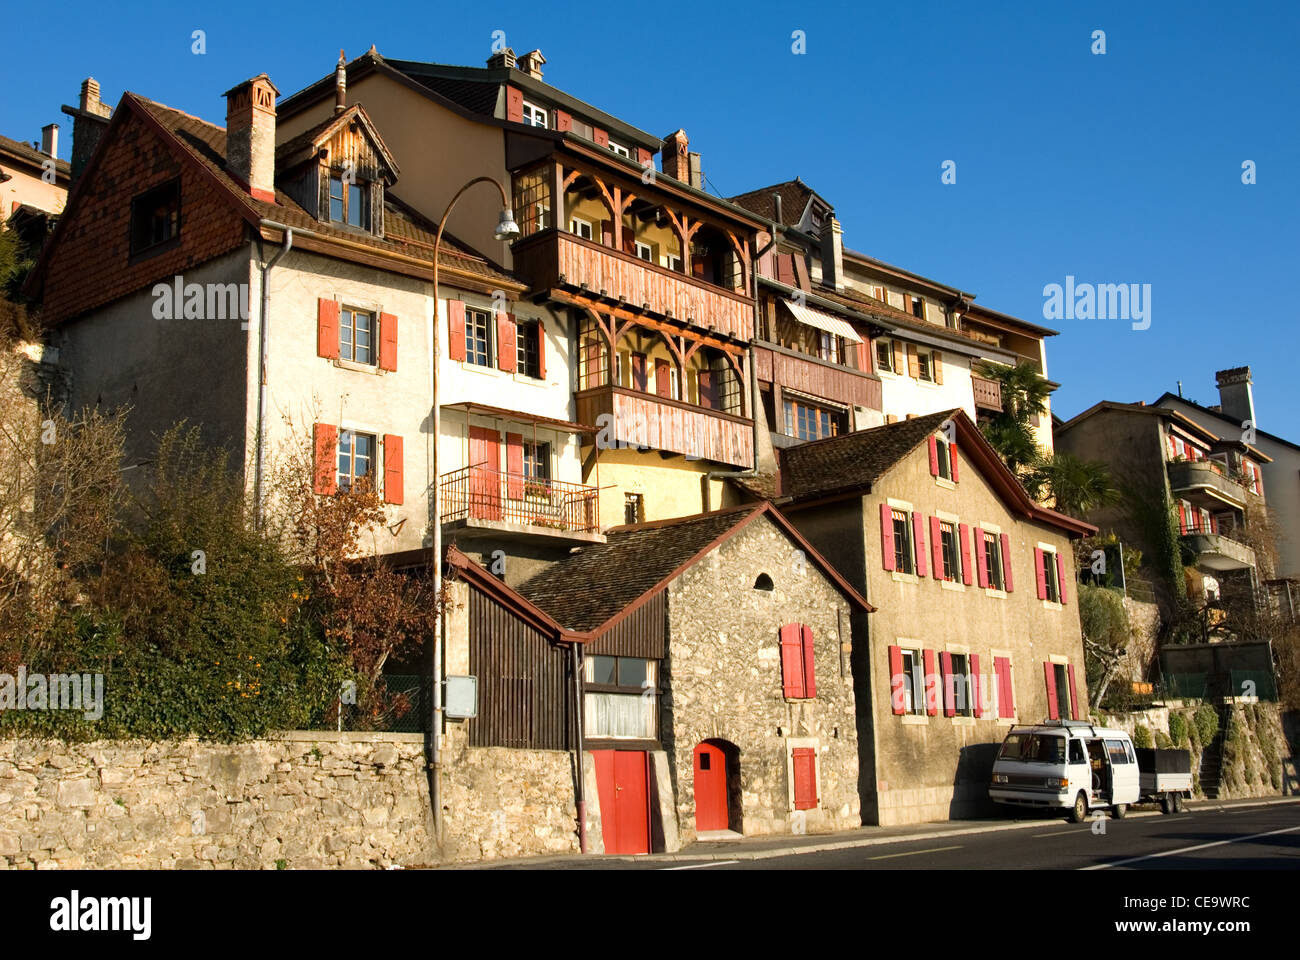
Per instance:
(349,202)
(534,115)
(618,148)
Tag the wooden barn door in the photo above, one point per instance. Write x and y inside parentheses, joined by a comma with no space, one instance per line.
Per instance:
(710,788)
(622,781)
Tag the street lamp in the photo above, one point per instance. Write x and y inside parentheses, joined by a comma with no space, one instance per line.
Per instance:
(506,230)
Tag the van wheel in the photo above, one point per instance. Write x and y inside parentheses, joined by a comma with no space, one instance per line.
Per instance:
(1079,812)
(1119,811)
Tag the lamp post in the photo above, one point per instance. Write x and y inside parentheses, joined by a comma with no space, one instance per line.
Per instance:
(506,229)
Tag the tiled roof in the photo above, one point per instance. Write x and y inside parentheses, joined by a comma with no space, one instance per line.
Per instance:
(853,460)
(29,154)
(480,96)
(794,199)
(899,318)
(586,588)
(406,231)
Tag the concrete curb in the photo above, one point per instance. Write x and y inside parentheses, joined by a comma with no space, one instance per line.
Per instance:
(683,856)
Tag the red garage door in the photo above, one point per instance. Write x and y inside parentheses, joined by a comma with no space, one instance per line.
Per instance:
(622,778)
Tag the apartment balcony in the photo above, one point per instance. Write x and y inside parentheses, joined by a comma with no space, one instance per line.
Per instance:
(1217,551)
(551,258)
(1203,483)
(649,421)
(988,394)
(479,501)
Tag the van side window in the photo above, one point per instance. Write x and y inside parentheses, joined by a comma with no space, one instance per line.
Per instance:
(1118,754)
(1076,752)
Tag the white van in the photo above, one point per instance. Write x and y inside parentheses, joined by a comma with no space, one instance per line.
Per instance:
(1067,764)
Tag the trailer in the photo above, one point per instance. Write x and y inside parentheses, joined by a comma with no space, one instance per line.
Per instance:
(1164,777)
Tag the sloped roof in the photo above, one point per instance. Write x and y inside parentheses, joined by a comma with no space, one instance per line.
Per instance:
(794,200)
(310,140)
(25,152)
(588,589)
(1216,412)
(1164,413)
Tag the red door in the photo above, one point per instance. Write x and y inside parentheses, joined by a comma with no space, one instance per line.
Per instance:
(663,379)
(484,474)
(640,376)
(621,781)
(710,788)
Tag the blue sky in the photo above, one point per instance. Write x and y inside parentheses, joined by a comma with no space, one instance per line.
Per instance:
(1117,168)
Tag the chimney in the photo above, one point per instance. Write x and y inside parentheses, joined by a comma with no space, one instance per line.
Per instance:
(697,175)
(674,158)
(250,135)
(503,58)
(341,84)
(833,254)
(50,140)
(531,63)
(89,121)
(1235,398)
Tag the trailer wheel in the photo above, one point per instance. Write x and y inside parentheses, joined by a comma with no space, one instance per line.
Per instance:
(1079,812)
(1178,803)
(1119,811)
(1167,804)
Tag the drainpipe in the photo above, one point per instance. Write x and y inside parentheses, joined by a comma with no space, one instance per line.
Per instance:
(580,795)
(259,476)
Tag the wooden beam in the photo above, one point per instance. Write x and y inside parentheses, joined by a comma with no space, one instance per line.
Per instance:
(700,338)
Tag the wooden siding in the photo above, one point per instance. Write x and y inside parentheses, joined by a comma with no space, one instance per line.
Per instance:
(525,685)
(658,423)
(988,393)
(818,379)
(640,634)
(551,256)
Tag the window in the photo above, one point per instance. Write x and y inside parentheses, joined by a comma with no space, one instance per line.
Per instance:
(831,348)
(621,697)
(918,307)
(809,422)
(672,262)
(798,677)
(951,550)
(913,673)
(349,203)
(943,453)
(633,507)
(1005,688)
(580,228)
(532,201)
(356,457)
(993,561)
(902,540)
(478,338)
(1118,755)
(537,460)
(356,335)
(1033,748)
(764,582)
(885,356)
(957,686)
(156,217)
(534,115)
(528,346)
(925,365)
(618,148)
(645,252)
(1051,581)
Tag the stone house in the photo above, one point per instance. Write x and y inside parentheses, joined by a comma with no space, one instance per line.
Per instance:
(710,656)
(976,629)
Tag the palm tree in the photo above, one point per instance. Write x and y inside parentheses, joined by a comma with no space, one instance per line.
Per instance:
(1024,396)
(1076,486)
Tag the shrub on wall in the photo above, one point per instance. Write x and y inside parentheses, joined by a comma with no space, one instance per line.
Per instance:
(1178,729)
(1206,719)
(1142,736)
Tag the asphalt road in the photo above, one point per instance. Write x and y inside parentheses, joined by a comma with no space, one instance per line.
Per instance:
(1251,838)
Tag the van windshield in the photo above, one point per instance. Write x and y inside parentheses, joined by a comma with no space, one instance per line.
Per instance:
(1033,748)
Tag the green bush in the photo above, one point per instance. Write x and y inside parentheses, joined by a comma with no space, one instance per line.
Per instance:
(1206,719)
(1142,737)
(1163,741)
(1178,729)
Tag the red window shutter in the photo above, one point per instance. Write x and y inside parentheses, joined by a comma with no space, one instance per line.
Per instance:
(897,689)
(326,442)
(607,232)
(456,329)
(955,460)
(804,761)
(963,534)
(507,352)
(663,378)
(981,555)
(644,157)
(1182,518)
(936,548)
(791,661)
(563,121)
(1060,578)
(387,341)
(1074,693)
(514,105)
(1053,711)
(1040,573)
(975,685)
(949,691)
(785,269)
(934,456)
(327,328)
(515,466)
(864,355)
(1006,690)
(918,534)
(809,662)
(601,137)
(394,478)
(887,536)
(1006,562)
(931,684)
(540,333)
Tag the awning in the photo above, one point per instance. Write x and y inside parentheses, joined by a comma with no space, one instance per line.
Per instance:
(823,321)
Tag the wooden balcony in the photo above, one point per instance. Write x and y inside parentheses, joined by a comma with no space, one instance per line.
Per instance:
(477,499)
(816,377)
(644,420)
(551,259)
(988,394)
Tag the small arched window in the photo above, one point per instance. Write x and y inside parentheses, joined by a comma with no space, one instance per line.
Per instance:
(764,582)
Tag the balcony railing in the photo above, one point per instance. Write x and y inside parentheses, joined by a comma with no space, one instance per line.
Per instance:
(551,257)
(1216,551)
(988,394)
(1207,478)
(649,421)
(478,494)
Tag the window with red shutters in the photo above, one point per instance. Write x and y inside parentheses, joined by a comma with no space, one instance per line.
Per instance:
(975,685)
(1040,572)
(1005,688)
(934,456)
(931,684)
(456,329)
(387,341)
(956,462)
(798,670)
(1060,578)
(507,351)
(949,684)
(1006,563)
(394,476)
(887,537)
(967,571)
(1074,694)
(804,764)
(897,682)
(1049,676)
(981,558)
(327,328)
(809,662)
(325,441)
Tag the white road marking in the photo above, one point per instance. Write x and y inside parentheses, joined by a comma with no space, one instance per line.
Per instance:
(1058,833)
(914,853)
(1199,846)
(701,866)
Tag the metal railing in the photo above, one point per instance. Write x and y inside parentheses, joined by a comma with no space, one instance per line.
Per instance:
(404,706)
(478,493)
